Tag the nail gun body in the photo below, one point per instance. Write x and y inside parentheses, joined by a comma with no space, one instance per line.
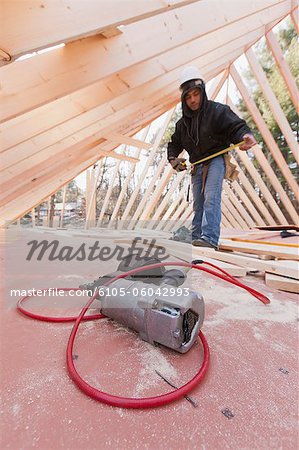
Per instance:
(153,304)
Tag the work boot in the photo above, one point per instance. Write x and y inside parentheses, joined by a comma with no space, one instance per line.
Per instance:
(202,243)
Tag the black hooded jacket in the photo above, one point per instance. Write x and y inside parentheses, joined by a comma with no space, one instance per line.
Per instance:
(212,128)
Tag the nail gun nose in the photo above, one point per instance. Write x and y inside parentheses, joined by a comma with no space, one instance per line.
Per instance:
(174,277)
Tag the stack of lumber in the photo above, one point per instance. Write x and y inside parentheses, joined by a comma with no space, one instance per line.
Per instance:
(278,261)
(240,257)
(285,254)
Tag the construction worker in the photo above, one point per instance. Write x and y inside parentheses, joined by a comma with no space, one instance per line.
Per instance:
(206,127)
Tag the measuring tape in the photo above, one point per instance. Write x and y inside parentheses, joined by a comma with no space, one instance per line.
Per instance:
(216,154)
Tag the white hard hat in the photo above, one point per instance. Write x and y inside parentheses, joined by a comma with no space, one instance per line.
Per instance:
(190,73)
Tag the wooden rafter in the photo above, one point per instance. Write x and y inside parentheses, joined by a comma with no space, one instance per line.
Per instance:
(273,103)
(83,109)
(101,59)
(267,136)
(283,68)
(28,26)
(262,160)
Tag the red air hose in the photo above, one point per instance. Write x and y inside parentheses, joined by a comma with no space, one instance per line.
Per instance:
(123,402)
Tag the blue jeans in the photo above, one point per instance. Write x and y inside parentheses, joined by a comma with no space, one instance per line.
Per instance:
(207,205)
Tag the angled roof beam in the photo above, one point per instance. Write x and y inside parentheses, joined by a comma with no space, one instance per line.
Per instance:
(82,63)
(162,223)
(79,108)
(149,161)
(61,173)
(283,68)
(234,210)
(28,26)
(246,185)
(249,205)
(264,130)
(217,84)
(142,207)
(91,189)
(118,138)
(235,201)
(295,15)
(20,188)
(273,102)
(112,180)
(90,123)
(185,218)
(174,211)
(269,172)
(120,198)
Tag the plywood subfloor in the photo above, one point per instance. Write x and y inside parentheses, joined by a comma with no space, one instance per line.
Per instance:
(252,377)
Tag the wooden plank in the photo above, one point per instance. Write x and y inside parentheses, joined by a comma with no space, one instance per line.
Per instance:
(184,220)
(89,60)
(273,102)
(252,241)
(282,283)
(250,235)
(120,198)
(166,200)
(92,177)
(41,123)
(247,203)
(253,194)
(144,209)
(271,175)
(229,212)
(240,207)
(87,138)
(262,185)
(149,161)
(60,174)
(233,211)
(174,211)
(122,139)
(33,217)
(63,205)
(280,228)
(283,68)
(217,85)
(267,136)
(284,268)
(233,270)
(295,15)
(139,214)
(188,256)
(287,253)
(108,102)
(27,26)
(167,224)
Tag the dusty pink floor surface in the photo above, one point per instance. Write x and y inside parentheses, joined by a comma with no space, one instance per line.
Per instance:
(252,379)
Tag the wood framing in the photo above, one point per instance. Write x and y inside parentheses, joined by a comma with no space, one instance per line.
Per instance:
(120,70)
(267,136)
(273,103)
(28,26)
(100,58)
(284,68)
(282,283)
(284,268)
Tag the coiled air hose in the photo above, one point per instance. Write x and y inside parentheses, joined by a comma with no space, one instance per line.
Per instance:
(137,403)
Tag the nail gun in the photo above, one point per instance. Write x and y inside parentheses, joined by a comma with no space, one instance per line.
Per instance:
(152,302)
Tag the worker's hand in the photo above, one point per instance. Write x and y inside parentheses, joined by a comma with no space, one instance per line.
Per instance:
(249,141)
(177,164)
